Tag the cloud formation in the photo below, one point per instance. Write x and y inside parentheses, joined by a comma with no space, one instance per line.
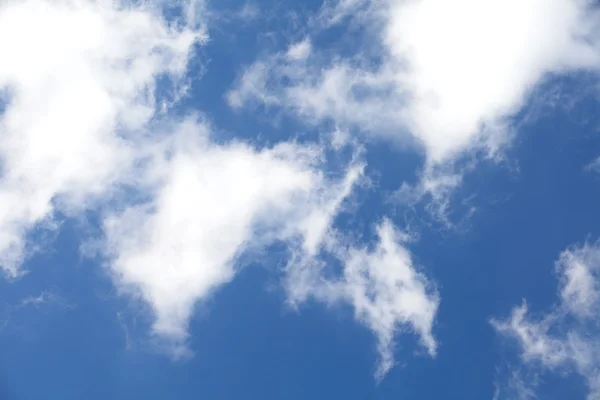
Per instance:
(208,205)
(382,285)
(564,338)
(445,76)
(79,83)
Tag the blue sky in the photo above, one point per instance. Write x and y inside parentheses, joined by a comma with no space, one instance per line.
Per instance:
(289,200)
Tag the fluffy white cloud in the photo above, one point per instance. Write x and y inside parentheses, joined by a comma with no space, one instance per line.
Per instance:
(208,205)
(471,63)
(79,80)
(443,75)
(566,336)
(382,285)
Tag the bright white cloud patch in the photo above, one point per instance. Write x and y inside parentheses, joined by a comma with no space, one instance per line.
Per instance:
(383,286)
(208,205)
(449,72)
(567,336)
(79,78)
(470,63)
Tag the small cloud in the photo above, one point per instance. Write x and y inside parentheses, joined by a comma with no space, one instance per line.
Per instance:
(248,12)
(564,338)
(207,204)
(299,51)
(382,285)
(594,166)
(16,317)
(514,384)
(44,298)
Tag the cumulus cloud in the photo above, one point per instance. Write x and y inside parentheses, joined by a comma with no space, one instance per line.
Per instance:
(471,63)
(208,205)
(445,77)
(79,79)
(564,338)
(382,285)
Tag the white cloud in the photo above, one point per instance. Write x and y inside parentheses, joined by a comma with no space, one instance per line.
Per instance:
(451,71)
(210,204)
(580,290)
(593,166)
(565,338)
(443,76)
(300,50)
(382,285)
(473,62)
(80,79)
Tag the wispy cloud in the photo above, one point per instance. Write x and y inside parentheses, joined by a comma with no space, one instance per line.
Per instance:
(564,338)
(14,316)
(382,285)
(594,166)
(515,385)
(44,298)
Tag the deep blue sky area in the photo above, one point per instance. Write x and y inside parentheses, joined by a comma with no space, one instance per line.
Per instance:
(68,333)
